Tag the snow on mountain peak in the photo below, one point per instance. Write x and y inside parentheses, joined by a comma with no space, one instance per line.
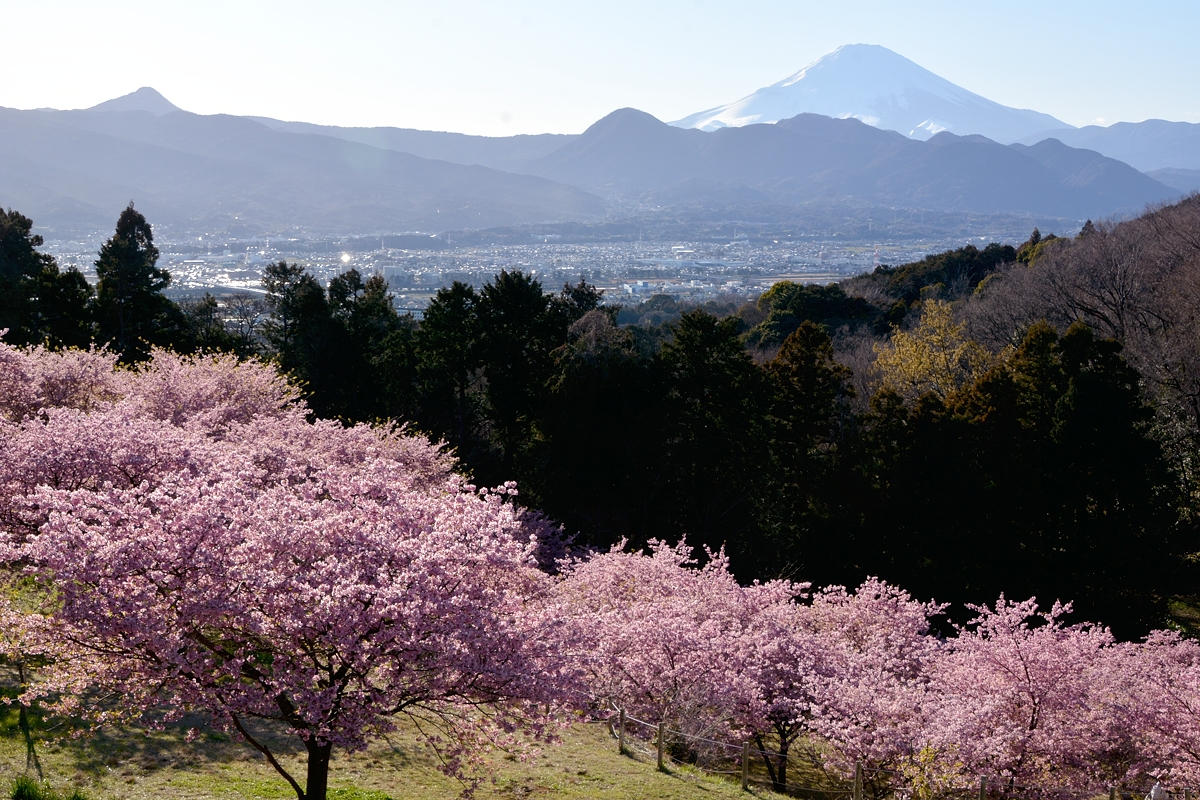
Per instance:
(882,88)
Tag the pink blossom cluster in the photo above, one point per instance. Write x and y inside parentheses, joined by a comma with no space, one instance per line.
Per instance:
(660,637)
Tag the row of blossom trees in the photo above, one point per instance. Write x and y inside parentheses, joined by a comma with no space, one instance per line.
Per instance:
(182,538)
(1018,695)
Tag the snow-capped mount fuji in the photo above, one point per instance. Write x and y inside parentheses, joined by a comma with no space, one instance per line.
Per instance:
(883,89)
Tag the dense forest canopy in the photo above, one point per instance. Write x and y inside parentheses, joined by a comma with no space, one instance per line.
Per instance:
(1022,420)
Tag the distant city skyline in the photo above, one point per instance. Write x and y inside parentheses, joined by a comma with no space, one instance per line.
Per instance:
(502,68)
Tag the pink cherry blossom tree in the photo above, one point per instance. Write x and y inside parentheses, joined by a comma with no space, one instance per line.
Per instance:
(1163,683)
(878,648)
(35,378)
(210,550)
(660,636)
(788,668)
(1022,695)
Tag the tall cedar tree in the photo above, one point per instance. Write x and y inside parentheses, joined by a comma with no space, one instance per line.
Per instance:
(448,362)
(597,464)
(808,480)
(520,326)
(132,313)
(517,335)
(716,436)
(299,331)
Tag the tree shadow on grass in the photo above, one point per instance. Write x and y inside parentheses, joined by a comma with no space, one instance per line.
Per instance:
(145,749)
(137,749)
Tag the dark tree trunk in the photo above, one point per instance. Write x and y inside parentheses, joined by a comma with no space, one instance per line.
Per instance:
(317,781)
(762,748)
(31,756)
(777,768)
(783,756)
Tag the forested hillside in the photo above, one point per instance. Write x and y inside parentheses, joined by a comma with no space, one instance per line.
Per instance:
(1018,420)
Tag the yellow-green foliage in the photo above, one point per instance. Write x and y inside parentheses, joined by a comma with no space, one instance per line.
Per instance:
(931,774)
(935,357)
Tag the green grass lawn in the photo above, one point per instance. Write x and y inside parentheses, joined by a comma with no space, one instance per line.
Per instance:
(137,765)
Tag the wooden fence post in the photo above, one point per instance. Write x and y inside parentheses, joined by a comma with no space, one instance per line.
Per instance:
(1112,793)
(983,788)
(621,733)
(746,766)
(858,780)
(661,741)
(1187,794)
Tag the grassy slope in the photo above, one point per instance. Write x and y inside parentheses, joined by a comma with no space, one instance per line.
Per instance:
(162,766)
(1184,613)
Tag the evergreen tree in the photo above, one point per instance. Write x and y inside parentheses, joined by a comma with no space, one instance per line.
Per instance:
(20,265)
(1032,249)
(598,453)
(63,310)
(788,304)
(394,365)
(448,361)
(39,304)
(346,343)
(298,329)
(369,355)
(295,300)
(517,334)
(808,481)
(716,437)
(132,313)
(573,302)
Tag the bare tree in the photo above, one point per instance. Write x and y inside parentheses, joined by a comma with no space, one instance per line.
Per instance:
(244,314)
(856,349)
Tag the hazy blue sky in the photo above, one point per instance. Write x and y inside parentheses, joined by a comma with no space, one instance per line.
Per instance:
(496,67)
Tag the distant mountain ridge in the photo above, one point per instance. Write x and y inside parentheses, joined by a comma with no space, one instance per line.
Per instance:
(883,89)
(79,168)
(1182,180)
(630,153)
(507,153)
(224,172)
(1150,145)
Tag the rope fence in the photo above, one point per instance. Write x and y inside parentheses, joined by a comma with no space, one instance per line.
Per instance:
(649,739)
